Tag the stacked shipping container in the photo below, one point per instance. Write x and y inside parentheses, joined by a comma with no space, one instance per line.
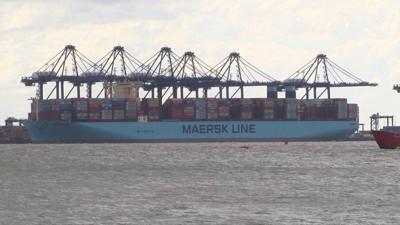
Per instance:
(131,109)
(258,108)
(246,105)
(94,106)
(189,109)
(352,111)
(153,109)
(212,109)
(65,110)
(269,109)
(80,109)
(201,108)
(45,110)
(118,109)
(106,109)
(291,109)
(223,109)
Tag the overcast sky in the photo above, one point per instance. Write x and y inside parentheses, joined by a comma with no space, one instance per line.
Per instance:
(276,36)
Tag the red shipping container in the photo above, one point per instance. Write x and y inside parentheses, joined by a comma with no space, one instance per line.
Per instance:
(94,105)
(94,116)
(50,116)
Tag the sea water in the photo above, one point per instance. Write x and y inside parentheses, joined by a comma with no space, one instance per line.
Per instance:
(200,183)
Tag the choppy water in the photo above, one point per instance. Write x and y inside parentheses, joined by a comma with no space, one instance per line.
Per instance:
(270,183)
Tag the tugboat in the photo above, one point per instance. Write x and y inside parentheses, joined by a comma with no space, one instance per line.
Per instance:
(389,136)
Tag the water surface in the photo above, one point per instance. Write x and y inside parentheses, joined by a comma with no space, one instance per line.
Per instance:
(202,183)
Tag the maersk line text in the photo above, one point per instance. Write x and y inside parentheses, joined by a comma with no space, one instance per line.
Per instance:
(218,128)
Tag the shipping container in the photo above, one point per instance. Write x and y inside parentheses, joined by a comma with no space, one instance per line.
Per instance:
(132,105)
(80,105)
(212,109)
(189,111)
(118,114)
(212,103)
(154,114)
(118,104)
(46,116)
(235,109)
(291,109)
(94,106)
(131,115)
(258,108)
(173,109)
(212,115)
(106,104)
(65,105)
(341,108)
(54,105)
(223,112)
(80,116)
(201,109)
(246,102)
(131,109)
(66,116)
(106,114)
(201,103)
(246,109)
(280,109)
(269,109)
(94,116)
(353,111)
(223,109)
(193,109)
(40,106)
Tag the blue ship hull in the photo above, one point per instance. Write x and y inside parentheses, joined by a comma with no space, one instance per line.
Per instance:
(188,131)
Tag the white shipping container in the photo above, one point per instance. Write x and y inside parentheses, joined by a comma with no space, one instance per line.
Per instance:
(106,114)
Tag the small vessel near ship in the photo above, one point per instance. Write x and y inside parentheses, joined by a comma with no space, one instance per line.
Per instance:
(389,136)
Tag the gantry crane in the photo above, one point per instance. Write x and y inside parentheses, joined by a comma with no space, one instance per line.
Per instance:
(65,66)
(321,73)
(235,71)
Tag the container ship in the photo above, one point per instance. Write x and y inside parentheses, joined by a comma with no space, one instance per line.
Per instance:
(183,120)
(121,115)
